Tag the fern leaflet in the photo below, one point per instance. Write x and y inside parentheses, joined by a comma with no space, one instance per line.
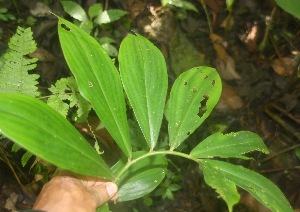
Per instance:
(14,65)
(66,91)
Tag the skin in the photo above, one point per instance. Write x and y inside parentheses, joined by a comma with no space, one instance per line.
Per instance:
(69,194)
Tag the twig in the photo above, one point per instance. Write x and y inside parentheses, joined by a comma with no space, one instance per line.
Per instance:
(207,16)
(266,35)
(280,153)
(282,123)
(278,170)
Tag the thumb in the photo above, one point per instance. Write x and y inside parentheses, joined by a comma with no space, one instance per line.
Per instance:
(105,191)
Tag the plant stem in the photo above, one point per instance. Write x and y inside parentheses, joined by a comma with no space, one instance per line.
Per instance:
(153,153)
(269,26)
(207,16)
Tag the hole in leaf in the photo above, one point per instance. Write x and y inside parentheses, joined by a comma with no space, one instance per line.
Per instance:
(205,77)
(213,82)
(202,107)
(188,133)
(65,27)
(250,187)
(185,83)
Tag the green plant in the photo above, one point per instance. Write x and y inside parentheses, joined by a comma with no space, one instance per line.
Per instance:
(180,6)
(91,21)
(14,71)
(183,4)
(5,15)
(143,75)
(14,65)
(291,6)
(65,95)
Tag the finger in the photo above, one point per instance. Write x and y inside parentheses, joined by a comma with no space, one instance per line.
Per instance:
(105,191)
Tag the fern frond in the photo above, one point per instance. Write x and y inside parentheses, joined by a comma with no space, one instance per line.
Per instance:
(66,91)
(26,156)
(14,65)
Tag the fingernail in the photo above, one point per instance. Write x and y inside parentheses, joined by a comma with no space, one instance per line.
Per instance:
(111,189)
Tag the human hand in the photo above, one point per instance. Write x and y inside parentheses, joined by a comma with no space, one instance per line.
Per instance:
(69,194)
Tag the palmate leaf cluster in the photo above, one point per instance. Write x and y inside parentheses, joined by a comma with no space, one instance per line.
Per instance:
(14,65)
(143,76)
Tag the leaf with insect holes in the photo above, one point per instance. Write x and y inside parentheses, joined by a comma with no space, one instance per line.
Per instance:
(223,177)
(231,145)
(98,80)
(193,96)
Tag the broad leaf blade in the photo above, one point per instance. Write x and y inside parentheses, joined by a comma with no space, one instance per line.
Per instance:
(141,178)
(38,128)
(98,80)
(193,96)
(109,16)
(232,145)
(145,80)
(291,6)
(217,180)
(74,10)
(257,185)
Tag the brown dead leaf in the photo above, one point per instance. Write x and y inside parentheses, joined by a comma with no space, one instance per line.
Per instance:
(284,66)
(224,62)
(229,98)
(43,55)
(134,7)
(250,37)
(11,202)
(159,24)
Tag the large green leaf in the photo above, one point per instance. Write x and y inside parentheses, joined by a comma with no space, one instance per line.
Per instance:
(193,96)
(142,177)
(38,128)
(221,176)
(98,80)
(291,6)
(229,145)
(109,16)
(74,10)
(217,180)
(145,80)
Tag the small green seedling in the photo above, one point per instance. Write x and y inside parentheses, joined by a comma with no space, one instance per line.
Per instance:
(93,20)
(143,76)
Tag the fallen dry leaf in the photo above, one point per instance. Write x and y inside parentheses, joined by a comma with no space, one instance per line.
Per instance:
(284,66)
(11,202)
(224,62)
(250,37)
(43,55)
(229,98)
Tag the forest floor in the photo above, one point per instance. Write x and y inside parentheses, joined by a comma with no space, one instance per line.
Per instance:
(256,50)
